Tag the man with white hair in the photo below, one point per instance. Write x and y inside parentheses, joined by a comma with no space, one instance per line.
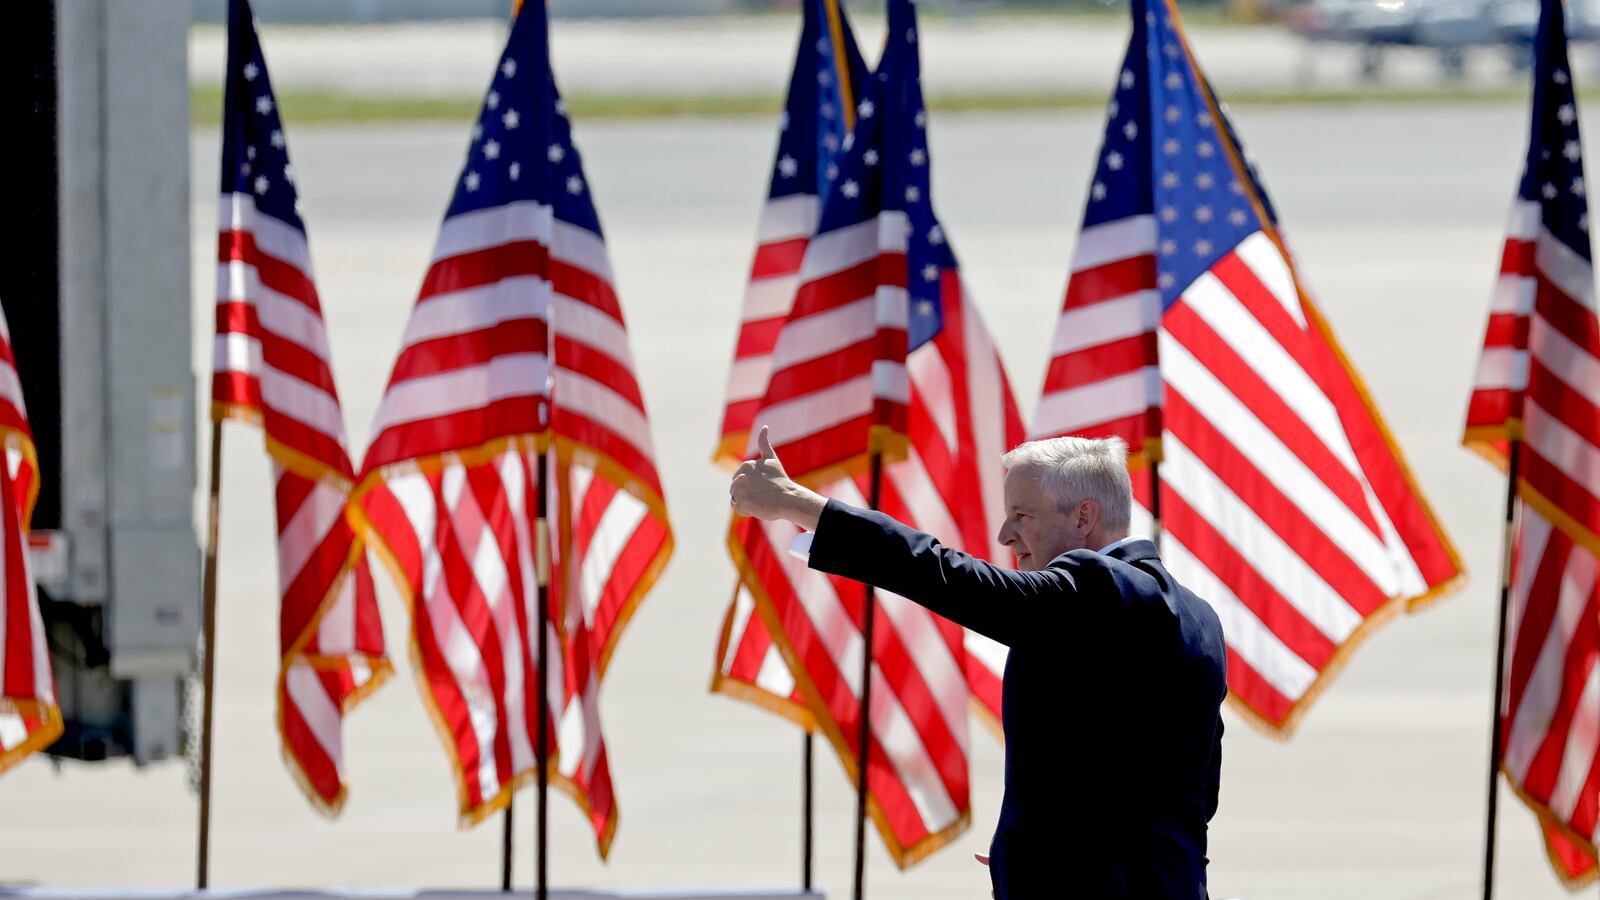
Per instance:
(1115,679)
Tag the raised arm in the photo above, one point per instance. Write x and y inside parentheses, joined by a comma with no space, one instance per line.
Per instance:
(1003,604)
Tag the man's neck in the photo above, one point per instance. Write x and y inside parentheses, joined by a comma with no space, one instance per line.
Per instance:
(1106,543)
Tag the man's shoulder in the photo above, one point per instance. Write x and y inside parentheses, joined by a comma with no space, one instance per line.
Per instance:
(1126,570)
(1129,551)
(1134,555)
(1135,550)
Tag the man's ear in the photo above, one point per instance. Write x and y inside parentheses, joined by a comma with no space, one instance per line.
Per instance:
(1088,515)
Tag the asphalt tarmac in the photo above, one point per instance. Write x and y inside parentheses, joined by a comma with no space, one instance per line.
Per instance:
(1396,214)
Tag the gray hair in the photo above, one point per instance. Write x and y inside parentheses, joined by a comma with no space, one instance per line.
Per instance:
(1075,469)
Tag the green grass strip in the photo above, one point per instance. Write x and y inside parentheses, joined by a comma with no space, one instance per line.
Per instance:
(323,107)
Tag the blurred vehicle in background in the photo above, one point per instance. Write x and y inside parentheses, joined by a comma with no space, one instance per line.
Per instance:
(1518,21)
(1449,27)
(352,12)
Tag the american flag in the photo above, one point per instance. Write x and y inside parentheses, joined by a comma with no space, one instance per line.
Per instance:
(959,418)
(30,720)
(869,279)
(1538,383)
(749,664)
(1283,500)
(514,369)
(816,121)
(963,417)
(272,367)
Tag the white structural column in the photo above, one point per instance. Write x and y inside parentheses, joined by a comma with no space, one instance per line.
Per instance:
(128,388)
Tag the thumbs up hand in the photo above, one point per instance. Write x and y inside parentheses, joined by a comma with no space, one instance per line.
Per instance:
(761,488)
(764,445)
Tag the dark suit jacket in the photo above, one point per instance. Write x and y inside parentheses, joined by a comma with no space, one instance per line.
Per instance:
(1111,705)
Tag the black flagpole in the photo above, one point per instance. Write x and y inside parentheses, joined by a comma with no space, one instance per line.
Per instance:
(841,64)
(208,690)
(1155,502)
(806,804)
(542,539)
(505,848)
(1497,729)
(864,732)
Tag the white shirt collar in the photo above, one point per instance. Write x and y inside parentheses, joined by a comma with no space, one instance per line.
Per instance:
(1115,544)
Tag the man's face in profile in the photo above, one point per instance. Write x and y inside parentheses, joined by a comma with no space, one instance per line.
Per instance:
(1036,529)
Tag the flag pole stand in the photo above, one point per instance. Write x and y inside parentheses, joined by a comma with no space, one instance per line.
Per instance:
(1496,729)
(542,757)
(806,805)
(209,647)
(864,731)
(505,847)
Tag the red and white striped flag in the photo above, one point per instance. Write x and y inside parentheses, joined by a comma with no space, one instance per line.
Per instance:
(516,354)
(1538,383)
(817,118)
(1551,736)
(1283,501)
(272,367)
(818,114)
(816,122)
(963,417)
(30,720)
(792,641)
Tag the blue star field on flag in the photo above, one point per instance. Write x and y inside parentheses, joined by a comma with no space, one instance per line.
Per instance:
(522,145)
(816,111)
(1553,176)
(885,167)
(1163,155)
(255,153)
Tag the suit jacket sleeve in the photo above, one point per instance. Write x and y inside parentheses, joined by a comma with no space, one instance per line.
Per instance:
(1003,604)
